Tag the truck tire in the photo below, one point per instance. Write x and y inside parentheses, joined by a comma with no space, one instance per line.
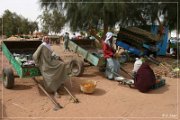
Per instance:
(76,67)
(8,78)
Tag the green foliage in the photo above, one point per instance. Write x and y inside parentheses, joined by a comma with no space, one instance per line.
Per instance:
(14,24)
(58,21)
(100,33)
(52,21)
(84,14)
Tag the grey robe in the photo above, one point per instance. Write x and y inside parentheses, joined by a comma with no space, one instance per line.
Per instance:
(53,71)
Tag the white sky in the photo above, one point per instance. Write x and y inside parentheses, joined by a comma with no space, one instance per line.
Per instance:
(27,8)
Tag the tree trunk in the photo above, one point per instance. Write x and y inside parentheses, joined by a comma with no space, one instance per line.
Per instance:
(105,31)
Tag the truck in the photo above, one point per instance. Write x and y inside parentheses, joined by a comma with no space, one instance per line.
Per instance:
(141,42)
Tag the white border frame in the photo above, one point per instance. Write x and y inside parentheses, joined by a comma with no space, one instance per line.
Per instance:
(124,118)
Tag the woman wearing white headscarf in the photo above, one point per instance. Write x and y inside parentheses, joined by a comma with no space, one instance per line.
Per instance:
(112,65)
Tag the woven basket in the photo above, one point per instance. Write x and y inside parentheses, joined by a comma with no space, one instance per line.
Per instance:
(88,86)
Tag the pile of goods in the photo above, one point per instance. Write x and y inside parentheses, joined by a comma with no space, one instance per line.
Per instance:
(15,38)
(24,59)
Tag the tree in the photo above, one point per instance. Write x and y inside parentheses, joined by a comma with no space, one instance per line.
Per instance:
(58,21)
(15,24)
(46,20)
(8,27)
(85,15)
(52,21)
(91,15)
(33,26)
(1,25)
(152,11)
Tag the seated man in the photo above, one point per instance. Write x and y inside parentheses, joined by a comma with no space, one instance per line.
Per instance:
(52,68)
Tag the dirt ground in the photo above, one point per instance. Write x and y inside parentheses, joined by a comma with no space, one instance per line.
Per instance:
(110,101)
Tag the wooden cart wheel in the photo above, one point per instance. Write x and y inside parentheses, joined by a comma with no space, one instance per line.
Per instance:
(8,78)
(76,67)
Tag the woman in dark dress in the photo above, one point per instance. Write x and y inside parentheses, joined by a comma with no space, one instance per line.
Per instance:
(145,78)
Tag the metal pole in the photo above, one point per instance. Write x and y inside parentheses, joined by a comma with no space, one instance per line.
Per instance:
(126,72)
(57,105)
(75,99)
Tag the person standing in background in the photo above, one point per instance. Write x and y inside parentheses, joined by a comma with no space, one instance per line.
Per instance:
(74,36)
(66,40)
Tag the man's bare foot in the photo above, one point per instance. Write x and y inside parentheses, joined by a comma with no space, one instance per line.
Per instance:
(56,95)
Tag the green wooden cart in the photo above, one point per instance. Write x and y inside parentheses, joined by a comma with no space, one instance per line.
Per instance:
(9,48)
(89,51)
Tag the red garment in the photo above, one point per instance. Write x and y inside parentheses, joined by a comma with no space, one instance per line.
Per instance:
(144,78)
(107,50)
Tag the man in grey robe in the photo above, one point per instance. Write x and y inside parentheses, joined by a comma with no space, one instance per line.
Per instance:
(53,70)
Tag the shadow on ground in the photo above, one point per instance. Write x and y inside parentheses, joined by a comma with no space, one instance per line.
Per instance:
(22,87)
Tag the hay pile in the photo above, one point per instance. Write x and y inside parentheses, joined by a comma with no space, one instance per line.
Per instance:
(14,38)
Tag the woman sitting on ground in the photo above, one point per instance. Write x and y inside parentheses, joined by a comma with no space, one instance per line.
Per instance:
(145,79)
(112,65)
